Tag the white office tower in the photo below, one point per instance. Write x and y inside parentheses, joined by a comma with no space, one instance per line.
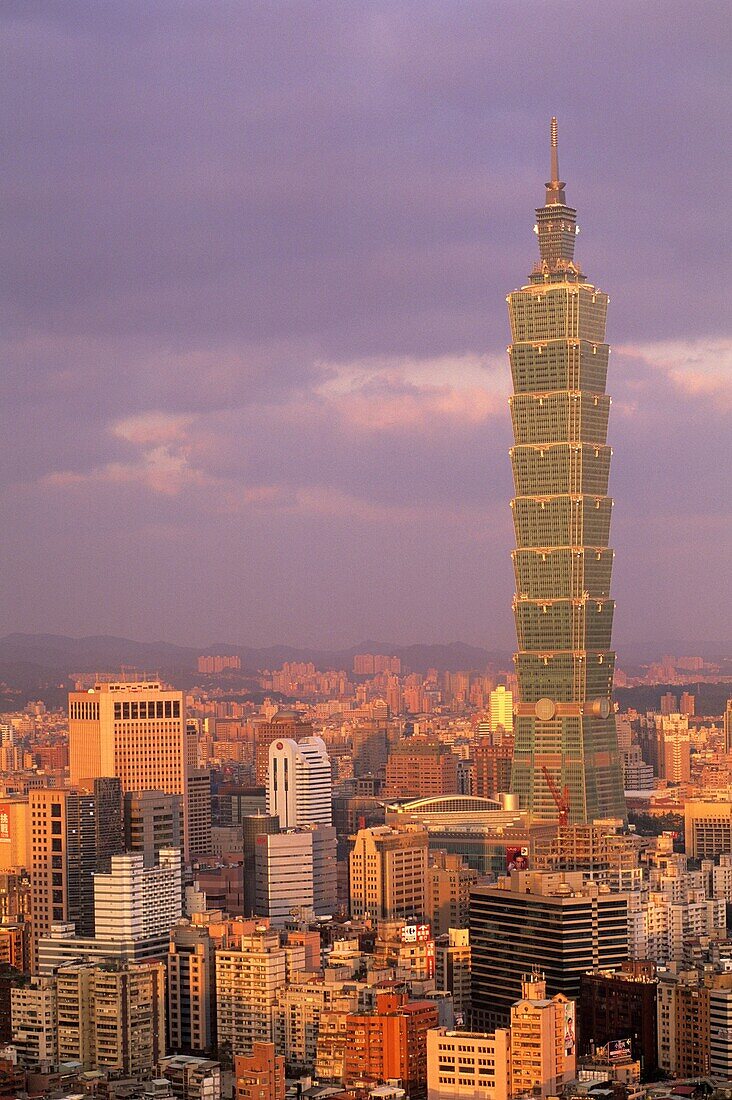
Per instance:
(134,909)
(138,902)
(299,784)
(296,869)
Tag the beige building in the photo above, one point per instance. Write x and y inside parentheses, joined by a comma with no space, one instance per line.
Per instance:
(111,1016)
(543,1041)
(33,1023)
(248,980)
(708,828)
(137,732)
(449,882)
(466,1065)
(452,970)
(298,1011)
(388,874)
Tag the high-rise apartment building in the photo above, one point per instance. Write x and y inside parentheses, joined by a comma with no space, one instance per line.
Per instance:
(134,909)
(111,1016)
(544,1037)
(390,1043)
(299,783)
(728,727)
(388,874)
(492,772)
(248,977)
(560,923)
(452,970)
(34,1023)
(191,987)
(564,726)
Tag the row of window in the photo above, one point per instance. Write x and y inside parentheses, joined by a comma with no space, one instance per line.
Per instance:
(150,708)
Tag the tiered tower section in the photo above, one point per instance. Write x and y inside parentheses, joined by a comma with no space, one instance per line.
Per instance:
(564,726)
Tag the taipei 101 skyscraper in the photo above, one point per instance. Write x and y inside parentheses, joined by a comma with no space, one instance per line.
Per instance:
(566,761)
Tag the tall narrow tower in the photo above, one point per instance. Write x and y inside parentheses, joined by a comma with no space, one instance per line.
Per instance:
(564,726)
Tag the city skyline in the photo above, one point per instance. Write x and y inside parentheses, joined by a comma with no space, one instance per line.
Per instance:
(256,382)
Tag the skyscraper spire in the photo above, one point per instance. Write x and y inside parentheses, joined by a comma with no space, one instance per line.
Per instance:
(555,151)
(554,187)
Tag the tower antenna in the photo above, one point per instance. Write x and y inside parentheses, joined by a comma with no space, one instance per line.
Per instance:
(555,153)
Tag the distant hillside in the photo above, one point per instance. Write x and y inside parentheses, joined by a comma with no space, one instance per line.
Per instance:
(99,653)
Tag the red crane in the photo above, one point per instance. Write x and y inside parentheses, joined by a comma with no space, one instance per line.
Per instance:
(561,801)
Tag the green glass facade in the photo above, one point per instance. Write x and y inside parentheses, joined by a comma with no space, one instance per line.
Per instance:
(561,511)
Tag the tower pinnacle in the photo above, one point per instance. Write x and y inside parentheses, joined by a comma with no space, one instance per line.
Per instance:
(555,187)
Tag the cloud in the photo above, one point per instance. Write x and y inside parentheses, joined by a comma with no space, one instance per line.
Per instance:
(259,257)
(700,367)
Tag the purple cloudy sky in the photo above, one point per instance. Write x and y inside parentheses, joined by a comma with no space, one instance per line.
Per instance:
(253,316)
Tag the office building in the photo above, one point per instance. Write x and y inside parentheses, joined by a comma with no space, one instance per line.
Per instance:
(199,812)
(137,732)
(492,774)
(621,1004)
(253,826)
(453,970)
(728,727)
(282,726)
(370,746)
(296,869)
(388,874)
(467,1065)
(559,923)
(564,726)
(153,820)
(418,768)
(449,882)
(299,784)
(707,828)
(500,711)
(259,1075)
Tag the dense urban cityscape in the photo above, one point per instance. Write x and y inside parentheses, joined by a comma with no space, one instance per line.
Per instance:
(413,872)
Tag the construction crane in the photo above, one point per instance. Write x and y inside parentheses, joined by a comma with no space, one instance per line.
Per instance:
(561,801)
